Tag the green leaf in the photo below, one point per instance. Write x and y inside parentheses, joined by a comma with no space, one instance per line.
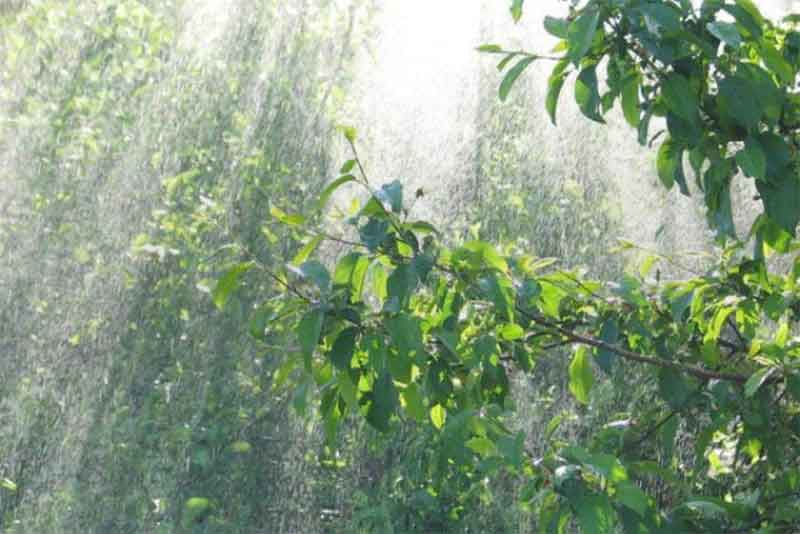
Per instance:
(557,27)
(317,273)
(661,19)
(676,91)
(482,446)
(630,100)
(347,166)
(333,186)
(725,32)
(595,514)
(516,9)
(581,34)
(348,131)
(503,63)
(609,333)
(752,159)
(402,283)
(776,63)
(404,331)
(438,415)
(739,102)
(8,484)
(778,156)
(510,332)
(554,85)
(718,323)
(670,165)
(490,48)
(706,508)
(259,321)
(308,331)
(747,14)
(512,75)
(631,496)
(343,274)
(674,388)
(229,283)
(392,194)
(341,353)
(413,403)
(285,218)
(196,508)
(553,425)
(581,377)
(757,380)
(384,402)
(308,249)
(587,95)
(782,201)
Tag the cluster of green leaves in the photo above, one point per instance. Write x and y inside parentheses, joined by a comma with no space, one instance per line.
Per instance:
(721,75)
(406,330)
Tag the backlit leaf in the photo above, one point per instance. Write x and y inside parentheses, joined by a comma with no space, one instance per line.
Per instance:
(229,283)
(438,416)
(581,377)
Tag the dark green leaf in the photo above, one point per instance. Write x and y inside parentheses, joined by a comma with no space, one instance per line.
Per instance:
(776,63)
(725,32)
(342,351)
(317,273)
(392,195)
(512,75)
(595,514)
(581,34)
(557,27)
(630,100)
(661,19)
(609,333)
(644,126)
(670,165)
(554,85)
(587,95)
(384,402)
(748,16)
(402,283)
(679,97)
(632,497)
(674,388)
(374,233)
(752,159)
(782,201)
(739,102)
(308,331)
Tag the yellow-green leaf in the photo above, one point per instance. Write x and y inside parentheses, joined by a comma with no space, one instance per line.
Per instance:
(581,377)
(438,416)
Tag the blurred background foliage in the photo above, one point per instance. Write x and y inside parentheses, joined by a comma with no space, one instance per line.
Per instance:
(138,139)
